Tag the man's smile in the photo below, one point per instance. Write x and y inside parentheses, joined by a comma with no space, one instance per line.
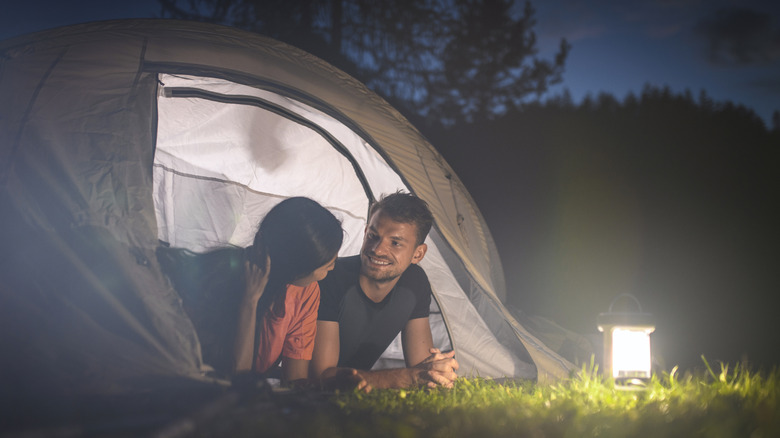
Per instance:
(377,261)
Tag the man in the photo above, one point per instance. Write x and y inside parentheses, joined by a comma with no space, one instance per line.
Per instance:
(369,298)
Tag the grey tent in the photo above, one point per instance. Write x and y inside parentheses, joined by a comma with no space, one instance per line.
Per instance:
(117,135)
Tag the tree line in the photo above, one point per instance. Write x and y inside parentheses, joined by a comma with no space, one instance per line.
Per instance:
(666,196)
(448,61)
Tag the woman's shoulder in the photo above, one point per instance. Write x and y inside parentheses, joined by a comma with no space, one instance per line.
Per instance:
(302,292)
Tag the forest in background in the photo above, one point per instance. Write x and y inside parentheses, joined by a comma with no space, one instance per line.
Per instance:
(664,196)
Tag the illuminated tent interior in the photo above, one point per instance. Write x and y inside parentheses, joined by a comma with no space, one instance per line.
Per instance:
(118,135)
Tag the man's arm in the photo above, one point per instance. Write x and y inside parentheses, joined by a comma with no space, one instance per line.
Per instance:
(437,369)
(430,366)
(325,360)
(294,369)
(416,341)
(326,348)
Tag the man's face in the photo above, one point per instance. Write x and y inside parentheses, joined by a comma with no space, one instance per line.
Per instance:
(389,247)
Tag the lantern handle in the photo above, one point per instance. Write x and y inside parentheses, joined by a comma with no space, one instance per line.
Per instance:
(636,301)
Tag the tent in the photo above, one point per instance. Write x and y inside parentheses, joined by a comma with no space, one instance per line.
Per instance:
(115,136)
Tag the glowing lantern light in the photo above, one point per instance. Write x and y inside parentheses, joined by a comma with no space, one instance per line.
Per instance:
(627,356)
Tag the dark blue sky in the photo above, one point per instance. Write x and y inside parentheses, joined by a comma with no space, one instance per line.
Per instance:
(730,48)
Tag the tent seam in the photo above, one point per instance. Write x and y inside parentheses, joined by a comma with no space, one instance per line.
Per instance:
(26,116)
(237,184)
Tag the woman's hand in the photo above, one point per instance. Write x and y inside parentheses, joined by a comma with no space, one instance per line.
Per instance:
(256,280)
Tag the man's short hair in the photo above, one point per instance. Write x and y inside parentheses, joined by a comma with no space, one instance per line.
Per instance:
(408,209)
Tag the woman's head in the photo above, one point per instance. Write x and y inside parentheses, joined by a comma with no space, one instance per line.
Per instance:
(300,236)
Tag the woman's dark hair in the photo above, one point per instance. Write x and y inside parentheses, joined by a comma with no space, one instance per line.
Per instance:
(299,235)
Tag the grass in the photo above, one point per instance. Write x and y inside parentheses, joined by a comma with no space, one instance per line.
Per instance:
(731,402)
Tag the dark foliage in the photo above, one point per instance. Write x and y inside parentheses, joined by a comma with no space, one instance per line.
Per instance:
(661,195)
(445,60)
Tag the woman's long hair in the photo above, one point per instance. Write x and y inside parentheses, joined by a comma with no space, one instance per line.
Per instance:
(298,234)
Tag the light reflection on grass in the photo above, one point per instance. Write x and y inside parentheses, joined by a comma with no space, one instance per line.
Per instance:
(730,402)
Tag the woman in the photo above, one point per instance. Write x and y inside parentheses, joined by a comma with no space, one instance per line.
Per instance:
(253,307)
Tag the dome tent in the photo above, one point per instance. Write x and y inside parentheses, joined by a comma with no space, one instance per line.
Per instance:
(117,135)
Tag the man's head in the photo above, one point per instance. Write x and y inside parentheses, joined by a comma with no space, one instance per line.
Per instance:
(405,208)
(396,229)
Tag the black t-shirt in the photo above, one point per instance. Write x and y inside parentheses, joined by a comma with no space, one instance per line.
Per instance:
(367,328)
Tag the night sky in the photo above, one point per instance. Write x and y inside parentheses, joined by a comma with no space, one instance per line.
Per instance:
(730,48)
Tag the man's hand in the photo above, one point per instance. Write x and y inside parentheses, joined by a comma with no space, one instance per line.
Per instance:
(344,379)
(438,369)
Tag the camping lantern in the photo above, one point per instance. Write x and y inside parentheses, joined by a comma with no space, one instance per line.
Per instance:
(627,344)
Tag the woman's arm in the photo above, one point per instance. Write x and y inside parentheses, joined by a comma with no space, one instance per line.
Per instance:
(243,352)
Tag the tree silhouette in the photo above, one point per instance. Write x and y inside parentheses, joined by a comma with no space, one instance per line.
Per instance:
(442,60)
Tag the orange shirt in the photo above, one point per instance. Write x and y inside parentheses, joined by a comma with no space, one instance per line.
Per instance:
(291,335)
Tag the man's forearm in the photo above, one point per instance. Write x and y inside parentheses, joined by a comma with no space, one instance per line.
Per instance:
(391,378)
(382,379)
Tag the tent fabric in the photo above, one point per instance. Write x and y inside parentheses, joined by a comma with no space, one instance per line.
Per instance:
(115,135)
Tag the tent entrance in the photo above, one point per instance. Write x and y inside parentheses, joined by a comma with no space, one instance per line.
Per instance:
(227,153)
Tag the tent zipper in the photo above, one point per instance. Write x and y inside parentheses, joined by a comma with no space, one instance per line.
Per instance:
(186,92)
